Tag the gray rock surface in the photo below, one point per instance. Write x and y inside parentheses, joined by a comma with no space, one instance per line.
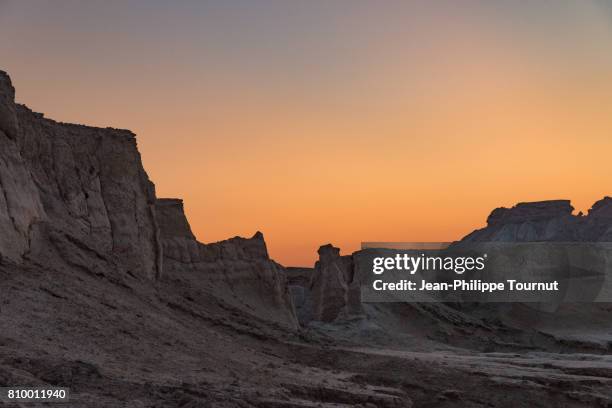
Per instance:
(86,184)
(238,269)
(298,281)
(20,203)
(550,221)
(335,291)
(8,116)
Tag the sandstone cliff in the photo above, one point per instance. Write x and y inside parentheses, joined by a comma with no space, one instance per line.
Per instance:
(69,185)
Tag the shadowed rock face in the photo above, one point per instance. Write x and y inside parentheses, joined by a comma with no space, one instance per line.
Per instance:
(20,202)
(238,270)
(336,280)
(335,291)
(298,280)
(523,212)
(547,221)
(8,115)
(64,183)
(602,209)
(78,197)
(171,219)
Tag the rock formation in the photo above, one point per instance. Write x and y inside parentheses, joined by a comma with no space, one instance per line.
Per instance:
(239,270)
(550,221)
(79,196)
(336,280)
(76,183)
(334,287)
(298,281)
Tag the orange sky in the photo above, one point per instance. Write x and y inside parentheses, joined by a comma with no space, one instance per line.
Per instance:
(318,123)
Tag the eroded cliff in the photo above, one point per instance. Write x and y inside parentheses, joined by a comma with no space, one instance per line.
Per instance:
(238,270)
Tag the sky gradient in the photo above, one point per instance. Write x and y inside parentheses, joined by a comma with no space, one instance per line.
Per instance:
(333,121)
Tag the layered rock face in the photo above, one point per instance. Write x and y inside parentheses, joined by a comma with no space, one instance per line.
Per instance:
(62,182)
(334,286)
(178,242)
(74,196)
(238,270)
(550,221)
(20,201)
(298,280)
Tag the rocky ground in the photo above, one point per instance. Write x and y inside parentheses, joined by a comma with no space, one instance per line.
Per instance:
(126,343)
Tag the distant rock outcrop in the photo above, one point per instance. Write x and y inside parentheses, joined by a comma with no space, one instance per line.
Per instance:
(336,280)
(550,221)
(335,289)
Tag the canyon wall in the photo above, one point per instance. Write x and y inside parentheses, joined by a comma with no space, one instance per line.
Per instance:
(77,197)
(239,271)
(63,182)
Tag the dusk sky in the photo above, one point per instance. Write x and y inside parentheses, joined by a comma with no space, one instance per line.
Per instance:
(333,121)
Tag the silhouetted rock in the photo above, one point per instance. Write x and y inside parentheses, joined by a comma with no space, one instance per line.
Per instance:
(172,220)
(602,208)
(550,221)
(8,115)
(536,211)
